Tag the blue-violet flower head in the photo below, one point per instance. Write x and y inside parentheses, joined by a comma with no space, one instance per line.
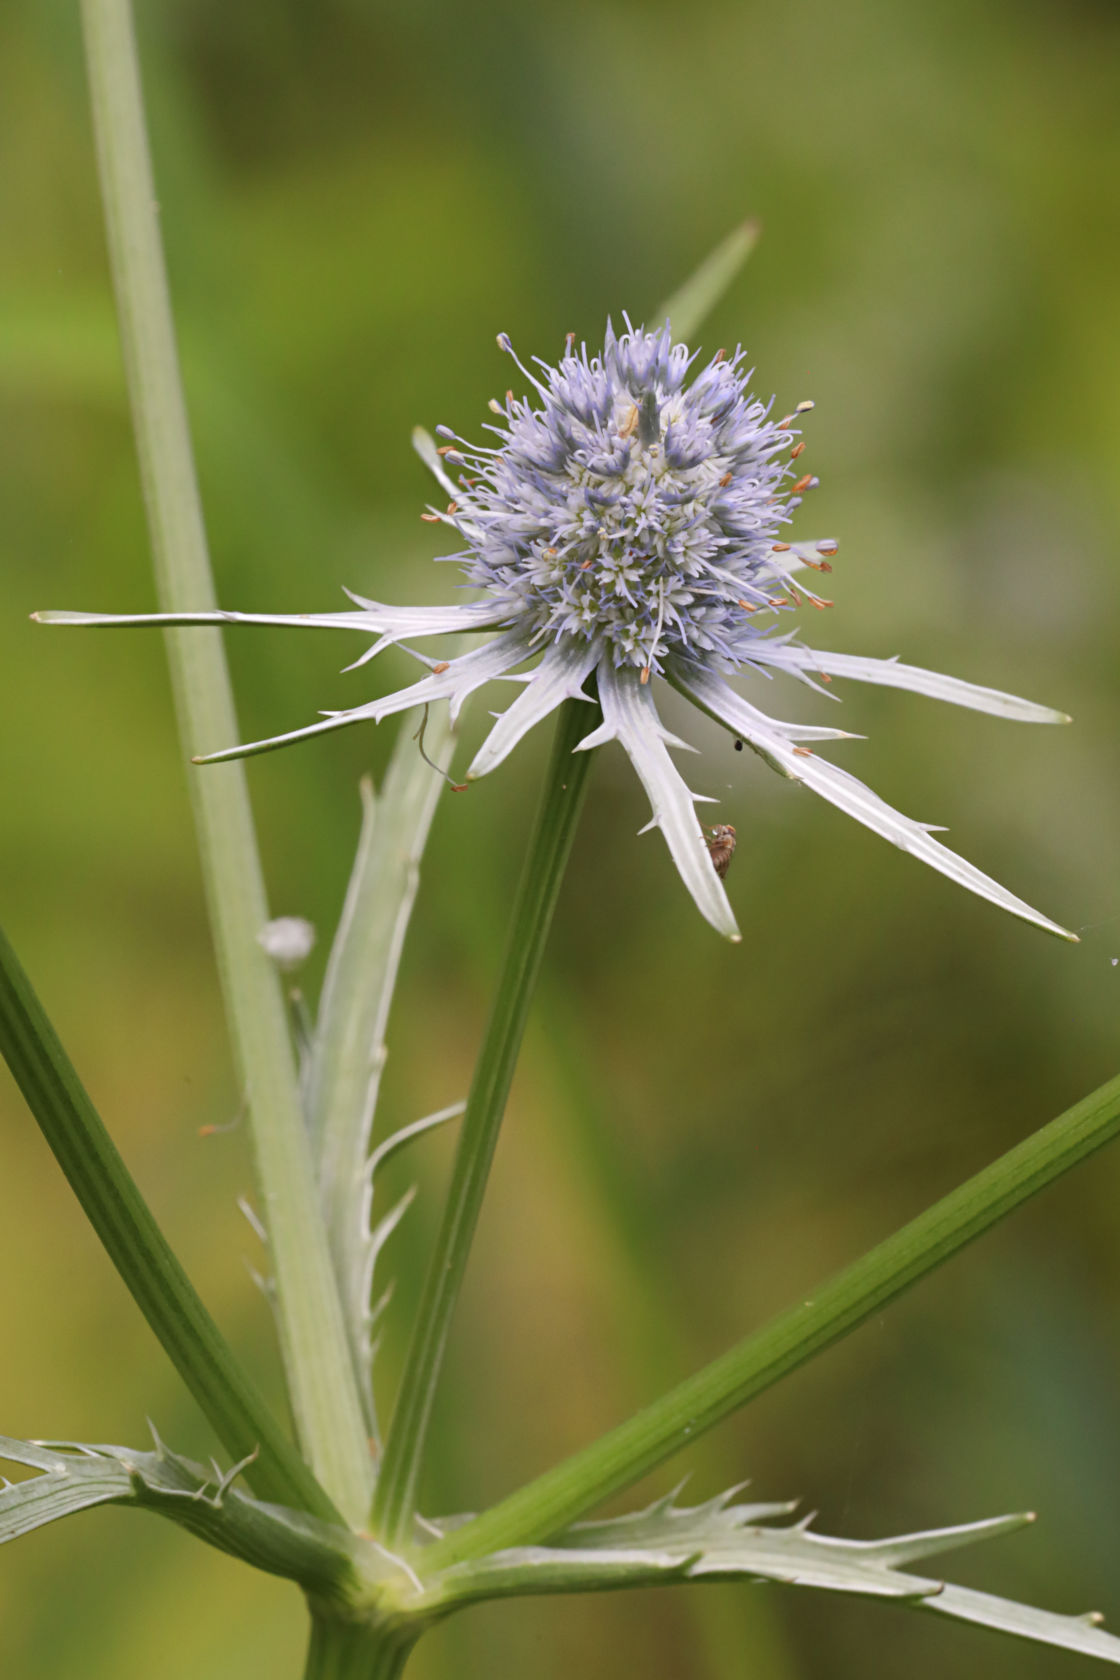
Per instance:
(626,524)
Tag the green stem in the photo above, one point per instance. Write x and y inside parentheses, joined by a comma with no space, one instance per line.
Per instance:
(549,847)
(354,1651)
(140,1252)
(561,1495)
(319,1370)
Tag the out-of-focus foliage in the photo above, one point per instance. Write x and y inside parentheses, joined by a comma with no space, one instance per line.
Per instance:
(356,197)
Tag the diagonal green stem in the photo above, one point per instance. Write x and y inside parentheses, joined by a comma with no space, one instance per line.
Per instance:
(549,847)
(617,1459)
(319,1370)
(140,1252)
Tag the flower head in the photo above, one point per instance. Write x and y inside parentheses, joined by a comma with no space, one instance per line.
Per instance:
(626,525)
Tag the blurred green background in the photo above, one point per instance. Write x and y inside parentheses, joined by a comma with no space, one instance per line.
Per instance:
(355,198)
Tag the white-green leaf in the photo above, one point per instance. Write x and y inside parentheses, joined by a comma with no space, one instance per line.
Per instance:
(348,1049)
(73,1477)
(724,1541)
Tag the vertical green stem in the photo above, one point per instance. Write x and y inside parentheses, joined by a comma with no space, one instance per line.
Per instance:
(549,847)
(320,1374)
(353,1651)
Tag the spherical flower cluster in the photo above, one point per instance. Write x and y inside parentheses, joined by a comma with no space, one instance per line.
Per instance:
(632,510)
(623,528)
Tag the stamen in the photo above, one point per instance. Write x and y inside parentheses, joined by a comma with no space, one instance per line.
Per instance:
(797,450)
(805,483)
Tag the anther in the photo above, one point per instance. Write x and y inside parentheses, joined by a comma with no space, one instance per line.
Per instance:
(505,343)
(827,546)
(725,481)
(452,507)
(819,600)
(569,340)
(805,406)
(746,606)
(803,752)
(431,518)
(803,484)
(644,678)
(781,548)
(797,450)
(438,670)
(495,406)
(719,356)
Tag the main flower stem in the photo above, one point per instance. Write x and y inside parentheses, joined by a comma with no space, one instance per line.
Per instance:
(353,1651)
(565,1493)
(532,915)
(320,1374)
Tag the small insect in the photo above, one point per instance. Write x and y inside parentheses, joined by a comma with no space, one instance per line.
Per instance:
(721,847)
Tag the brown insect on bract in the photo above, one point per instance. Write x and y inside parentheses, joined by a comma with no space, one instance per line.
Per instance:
(721,847)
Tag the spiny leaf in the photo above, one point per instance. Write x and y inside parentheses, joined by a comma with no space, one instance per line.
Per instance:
(721,1540)
(74,1476)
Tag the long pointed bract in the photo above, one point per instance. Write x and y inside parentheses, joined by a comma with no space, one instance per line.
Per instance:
(630,718)
(843,790)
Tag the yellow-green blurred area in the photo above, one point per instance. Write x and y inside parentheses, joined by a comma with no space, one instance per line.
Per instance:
(356,197)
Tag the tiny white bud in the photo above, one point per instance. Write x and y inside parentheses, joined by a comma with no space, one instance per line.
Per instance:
(289,941)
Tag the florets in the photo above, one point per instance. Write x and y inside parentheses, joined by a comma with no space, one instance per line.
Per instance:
(626,506)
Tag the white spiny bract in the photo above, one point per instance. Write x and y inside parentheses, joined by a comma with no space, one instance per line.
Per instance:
(626,525)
